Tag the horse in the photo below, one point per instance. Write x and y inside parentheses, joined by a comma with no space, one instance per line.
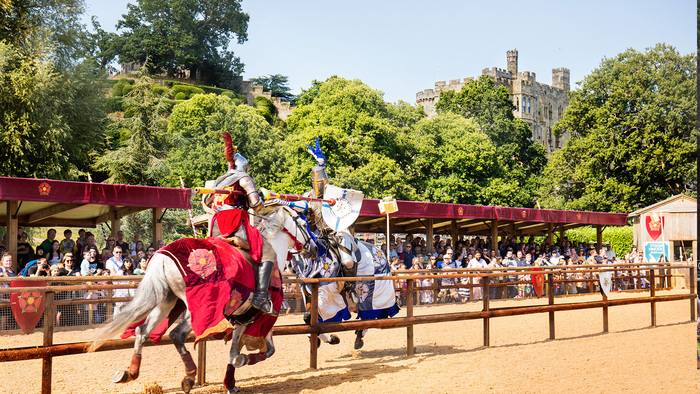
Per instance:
(163,294)
(377,297)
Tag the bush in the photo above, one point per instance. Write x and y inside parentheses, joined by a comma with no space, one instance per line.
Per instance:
(126,89)
(211,89)
(115,104)
(117,90)
(161,91)
(169,83)
(228,94)
(127,81)
(620,238)
(242,98)
(188,90)
(181,96)
(236,101)
(129,112)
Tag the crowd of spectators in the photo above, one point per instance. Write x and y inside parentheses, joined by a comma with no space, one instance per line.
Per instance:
(476,252)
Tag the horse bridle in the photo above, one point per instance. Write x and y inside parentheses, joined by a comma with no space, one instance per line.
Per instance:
(298,246)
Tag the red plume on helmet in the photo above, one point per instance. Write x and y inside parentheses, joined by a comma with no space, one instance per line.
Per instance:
(229,149)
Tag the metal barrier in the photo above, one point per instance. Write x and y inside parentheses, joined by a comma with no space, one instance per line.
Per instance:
(555,274)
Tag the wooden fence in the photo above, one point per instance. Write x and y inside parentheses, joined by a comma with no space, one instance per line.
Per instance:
(49,350)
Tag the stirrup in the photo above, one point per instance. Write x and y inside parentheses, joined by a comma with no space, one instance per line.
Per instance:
(264,305)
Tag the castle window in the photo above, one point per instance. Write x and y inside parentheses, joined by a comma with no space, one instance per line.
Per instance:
(517,102)
(528,105)
(524,100)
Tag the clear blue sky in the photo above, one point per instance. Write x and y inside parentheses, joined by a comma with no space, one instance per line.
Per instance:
(397,46)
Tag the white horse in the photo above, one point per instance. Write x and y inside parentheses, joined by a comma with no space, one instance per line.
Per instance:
(163,287)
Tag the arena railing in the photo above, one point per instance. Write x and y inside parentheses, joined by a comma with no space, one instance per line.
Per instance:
(111,288)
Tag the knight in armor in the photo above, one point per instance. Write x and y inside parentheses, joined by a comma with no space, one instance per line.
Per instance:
(349,259)
(230,221)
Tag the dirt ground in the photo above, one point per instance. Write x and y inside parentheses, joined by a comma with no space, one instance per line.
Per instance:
(449,357)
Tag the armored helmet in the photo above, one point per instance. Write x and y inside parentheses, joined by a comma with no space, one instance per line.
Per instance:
(319,180)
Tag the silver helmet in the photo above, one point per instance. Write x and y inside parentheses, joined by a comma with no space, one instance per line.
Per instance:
(240,163)
(319,180)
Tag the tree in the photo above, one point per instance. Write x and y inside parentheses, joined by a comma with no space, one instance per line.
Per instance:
(139,161)
(360,136)
(188,34)
(53,103)
(492,110)
(633,135)
(275,84)
(197,152)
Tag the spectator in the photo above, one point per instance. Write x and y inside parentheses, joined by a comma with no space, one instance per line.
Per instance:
(53,257)
(132,247)
(160,244)
(123,244)
(138,247)
(46,245)
(114,264)
(141,270)
(111,243)
(510,261)
(127,268)
(408,254)
(25,252)
(70,267)
(89,265)
(89,241)
(150,251)
(432,263)
(448,295)
(477,262)
(68,245)
(392,251)
(81,241)
(6,266)
(42,268)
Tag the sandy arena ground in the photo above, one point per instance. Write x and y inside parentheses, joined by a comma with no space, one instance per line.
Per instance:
(449,357)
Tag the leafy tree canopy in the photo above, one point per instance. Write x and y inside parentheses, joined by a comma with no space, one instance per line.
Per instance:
(275,84)
(633,139)
(197,152)
(361,135)
(188,34)
(491,109)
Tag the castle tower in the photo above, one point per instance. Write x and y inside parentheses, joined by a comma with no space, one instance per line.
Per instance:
(561,78)
(512,57)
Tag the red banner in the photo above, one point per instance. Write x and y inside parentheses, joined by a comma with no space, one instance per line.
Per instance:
(538,282)
(27,307)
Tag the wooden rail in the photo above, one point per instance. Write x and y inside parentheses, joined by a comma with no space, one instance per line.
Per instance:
(49,350)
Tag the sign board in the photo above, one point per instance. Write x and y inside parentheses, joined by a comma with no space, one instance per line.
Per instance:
(654,250)
(388,206)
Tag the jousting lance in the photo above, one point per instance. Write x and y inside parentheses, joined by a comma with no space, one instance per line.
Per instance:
(266,195)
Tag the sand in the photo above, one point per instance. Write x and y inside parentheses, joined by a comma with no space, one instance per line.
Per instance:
(450,358)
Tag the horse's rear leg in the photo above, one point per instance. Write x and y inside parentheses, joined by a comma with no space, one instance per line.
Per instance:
(158,314)
(179,335)
(236,360)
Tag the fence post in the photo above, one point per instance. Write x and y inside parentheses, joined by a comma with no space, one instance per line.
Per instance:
(409,313)
(486,309)
(652,289)
(313,364)
(47,361)
(110,296)
(605,314)
(550,295)
(471,288)
(693,301)
(201,361)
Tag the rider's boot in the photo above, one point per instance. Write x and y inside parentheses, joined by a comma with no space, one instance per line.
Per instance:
(261,297)
(352,292)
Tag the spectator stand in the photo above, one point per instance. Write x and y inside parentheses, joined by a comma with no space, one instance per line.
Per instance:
(429,218)
(48,202)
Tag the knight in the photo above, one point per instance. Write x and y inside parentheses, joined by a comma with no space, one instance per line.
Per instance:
(339,244)
(230,220)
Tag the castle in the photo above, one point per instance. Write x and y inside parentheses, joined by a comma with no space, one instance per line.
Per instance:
(539,105)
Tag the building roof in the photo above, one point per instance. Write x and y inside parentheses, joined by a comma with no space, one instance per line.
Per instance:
(413,216)
(678,198)
(47,202)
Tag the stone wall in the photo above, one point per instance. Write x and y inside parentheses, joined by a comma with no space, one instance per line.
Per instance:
(538,104)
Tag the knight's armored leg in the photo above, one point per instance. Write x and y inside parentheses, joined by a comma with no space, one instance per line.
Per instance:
(350,284)
(261,297)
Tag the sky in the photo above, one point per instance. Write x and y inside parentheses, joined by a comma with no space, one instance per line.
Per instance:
(403,47)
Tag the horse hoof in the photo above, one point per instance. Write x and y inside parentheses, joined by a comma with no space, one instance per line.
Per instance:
(358,340)
(241,360)
(121,377)
(235,389)
(334,340)
(187,384)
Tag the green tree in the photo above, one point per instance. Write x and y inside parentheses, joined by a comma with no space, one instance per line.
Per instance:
(197,151)
(139,161)
(189,34)
(492,110)
(275,84)
(633,136)
(361,136)
(53,104)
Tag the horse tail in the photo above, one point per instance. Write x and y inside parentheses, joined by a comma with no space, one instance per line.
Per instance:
(152,290)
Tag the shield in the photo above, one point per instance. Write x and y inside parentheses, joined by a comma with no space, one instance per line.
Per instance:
(346,209)
(605,282)
(27,307)
(538,281)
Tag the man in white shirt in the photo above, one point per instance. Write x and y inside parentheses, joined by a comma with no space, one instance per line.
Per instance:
(114,264)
